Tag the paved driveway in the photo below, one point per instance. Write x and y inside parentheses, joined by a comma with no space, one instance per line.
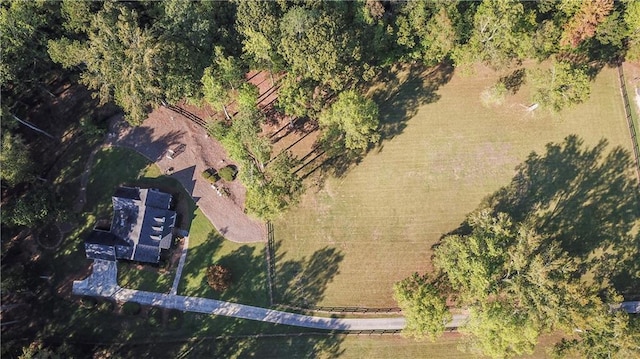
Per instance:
(101,283)
(165,130)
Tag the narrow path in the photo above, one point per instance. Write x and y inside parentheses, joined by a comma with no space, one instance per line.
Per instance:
(103,283)
(183,256)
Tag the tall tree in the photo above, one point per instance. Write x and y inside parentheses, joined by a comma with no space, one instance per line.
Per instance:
(295,97)
(423,307)
(122,60)
(561,86)
(501,34)
(317,45)
(426,30)
(584,22)
(261,38)
(17,166)
(500,331)
(632,20)
(25,27)
(352,121)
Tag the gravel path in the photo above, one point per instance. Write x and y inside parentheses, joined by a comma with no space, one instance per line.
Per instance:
(166,130)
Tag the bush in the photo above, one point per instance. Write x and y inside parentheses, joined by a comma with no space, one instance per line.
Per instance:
(494,95)
(154,316)
(131,308)
(211,175)
(228,173)
(88,302)
(218,277)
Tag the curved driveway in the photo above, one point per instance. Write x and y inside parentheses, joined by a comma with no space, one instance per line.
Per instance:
(165,130)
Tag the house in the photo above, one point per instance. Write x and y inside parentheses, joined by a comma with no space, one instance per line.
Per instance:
(141,227)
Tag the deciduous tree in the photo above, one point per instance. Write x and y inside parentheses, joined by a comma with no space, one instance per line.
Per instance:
(423,307)
(17,166)
(351,121)
(501,34)
(218,277)
(561,86)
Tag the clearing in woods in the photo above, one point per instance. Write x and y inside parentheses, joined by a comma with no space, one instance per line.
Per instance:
(443,152)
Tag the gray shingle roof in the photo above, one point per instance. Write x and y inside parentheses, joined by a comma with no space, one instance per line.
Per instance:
(142,225)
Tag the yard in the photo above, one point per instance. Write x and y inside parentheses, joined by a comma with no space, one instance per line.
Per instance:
(444,152)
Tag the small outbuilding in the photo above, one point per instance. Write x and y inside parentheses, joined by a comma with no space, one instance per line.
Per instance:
(142,226)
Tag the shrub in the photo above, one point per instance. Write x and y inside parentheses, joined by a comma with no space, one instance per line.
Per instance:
(154,316)
(494,95)
(228,173)
(211,175)
(218,277)
(131,308)
(88,302)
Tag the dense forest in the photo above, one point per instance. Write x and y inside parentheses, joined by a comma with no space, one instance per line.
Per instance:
(141,54)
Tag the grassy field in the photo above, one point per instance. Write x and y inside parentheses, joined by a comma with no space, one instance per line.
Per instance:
(443,154)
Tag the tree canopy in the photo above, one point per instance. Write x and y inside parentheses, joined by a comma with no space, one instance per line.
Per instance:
(529,262)
(351,121)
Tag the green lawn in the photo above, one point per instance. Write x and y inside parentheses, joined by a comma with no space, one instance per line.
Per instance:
(206,246)
(448,152)
(246,261)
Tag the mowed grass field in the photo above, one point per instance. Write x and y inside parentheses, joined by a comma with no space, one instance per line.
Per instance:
(385,214)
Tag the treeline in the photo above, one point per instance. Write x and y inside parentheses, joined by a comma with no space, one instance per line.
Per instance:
(138,54)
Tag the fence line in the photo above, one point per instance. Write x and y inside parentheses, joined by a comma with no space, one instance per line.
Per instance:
(270,265)
(342,310)
(271,278)
(195,119)
(632,129)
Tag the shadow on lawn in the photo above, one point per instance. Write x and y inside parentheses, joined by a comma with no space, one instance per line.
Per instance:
(299,282)
(586,200)
(398,100)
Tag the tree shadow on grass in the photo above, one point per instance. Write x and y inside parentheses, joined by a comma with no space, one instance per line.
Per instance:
(399,99)
(202,336)
(303,282)
(583,198)
(298,282)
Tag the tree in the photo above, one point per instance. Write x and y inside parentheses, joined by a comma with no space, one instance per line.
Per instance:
(25,27)
(500,331)
(500,35)
(426,30)
(352,121)
(474,264)
(317,46)
(277,189)
(213,89)
(610,336)
(33,208)
(219,277)
(122,60)
(423,307)
(261,39)
(584,23)
(224,75)
(248,95)
(632,21)
(294,97)
(561,86)
(17,166)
